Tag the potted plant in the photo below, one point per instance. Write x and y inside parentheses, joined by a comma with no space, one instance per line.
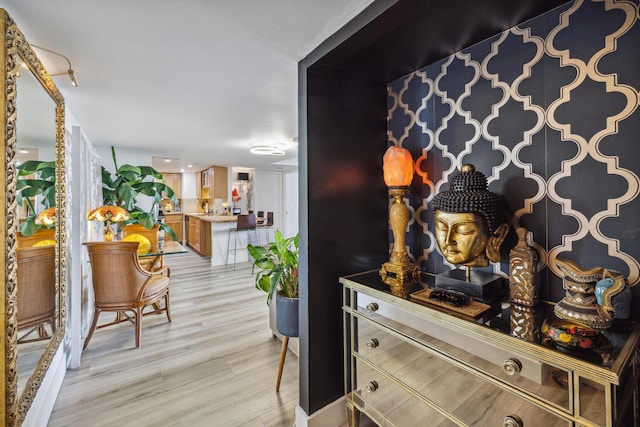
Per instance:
(36,178)
(277,265)
(122,189)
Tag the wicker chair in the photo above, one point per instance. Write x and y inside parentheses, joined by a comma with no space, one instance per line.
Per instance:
(121,285)
(42,236)
(36,294)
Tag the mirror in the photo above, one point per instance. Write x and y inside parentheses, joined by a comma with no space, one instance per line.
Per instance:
(33,120)
(36,145)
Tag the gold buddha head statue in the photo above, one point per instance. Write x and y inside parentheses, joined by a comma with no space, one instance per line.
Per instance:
(470,222)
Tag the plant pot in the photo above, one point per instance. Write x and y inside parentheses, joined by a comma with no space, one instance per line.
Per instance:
(287,316)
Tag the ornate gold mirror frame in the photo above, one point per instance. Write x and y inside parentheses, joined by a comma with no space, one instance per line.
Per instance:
(15,51)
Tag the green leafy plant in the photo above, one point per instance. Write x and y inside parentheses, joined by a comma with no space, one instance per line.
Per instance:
(127,183)
(278,266)
(35,178)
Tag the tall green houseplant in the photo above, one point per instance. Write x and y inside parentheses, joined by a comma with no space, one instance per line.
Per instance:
(36,178)
(128,182)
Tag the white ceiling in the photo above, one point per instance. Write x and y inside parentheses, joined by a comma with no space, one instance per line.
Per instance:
(195,80)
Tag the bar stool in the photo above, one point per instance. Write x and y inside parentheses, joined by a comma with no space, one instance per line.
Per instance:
(245,223)
(266,226)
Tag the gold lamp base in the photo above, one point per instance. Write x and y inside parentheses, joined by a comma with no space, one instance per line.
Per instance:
(107,233)
(399,273)
(399,277)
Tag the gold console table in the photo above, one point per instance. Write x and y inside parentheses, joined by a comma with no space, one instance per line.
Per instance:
(407,364)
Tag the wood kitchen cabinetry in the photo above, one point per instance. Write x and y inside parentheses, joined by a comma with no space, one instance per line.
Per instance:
(407,363)
(199,235)
(199,185)
(212,183)
(174,181)
(176,222)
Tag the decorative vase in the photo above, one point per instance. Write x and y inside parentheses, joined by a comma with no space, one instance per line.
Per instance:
(523,289)
(287,315)
(523,323)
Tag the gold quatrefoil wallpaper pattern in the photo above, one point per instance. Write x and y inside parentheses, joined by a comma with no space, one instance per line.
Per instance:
(548,111)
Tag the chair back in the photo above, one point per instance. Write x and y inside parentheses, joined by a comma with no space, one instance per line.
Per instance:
(36,292)
(42,235)
(115,270)
(149,233)
(246,222)
(269,219)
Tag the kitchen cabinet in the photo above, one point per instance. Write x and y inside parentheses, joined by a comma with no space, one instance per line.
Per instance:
(176,222)
(213,183)
(199,185)
(199,235)
(220,184)
(174,181)
(407,362)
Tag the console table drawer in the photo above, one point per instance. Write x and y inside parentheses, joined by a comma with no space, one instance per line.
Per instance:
(509,367)
(467,400)
(377,394)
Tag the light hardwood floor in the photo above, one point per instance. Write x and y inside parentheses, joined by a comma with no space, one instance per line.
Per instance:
(214,365)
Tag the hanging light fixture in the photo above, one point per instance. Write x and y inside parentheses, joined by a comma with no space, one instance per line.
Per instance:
(266,150)
(70,71)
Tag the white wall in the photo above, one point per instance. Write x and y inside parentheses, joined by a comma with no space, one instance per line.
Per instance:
(290,195)
(188,185)
(268,195)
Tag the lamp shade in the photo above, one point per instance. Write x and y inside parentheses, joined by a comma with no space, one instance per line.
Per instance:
(108,213)
(397,167)
(47,216)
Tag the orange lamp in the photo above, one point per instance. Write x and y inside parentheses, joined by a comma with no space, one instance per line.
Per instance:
(108,214)
(399,273)
(47,216)
(397,167)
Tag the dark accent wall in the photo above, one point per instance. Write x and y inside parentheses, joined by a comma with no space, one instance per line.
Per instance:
(548,111)
(343,134)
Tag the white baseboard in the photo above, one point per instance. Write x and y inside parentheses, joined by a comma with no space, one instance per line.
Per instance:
(42,405)
(332,415)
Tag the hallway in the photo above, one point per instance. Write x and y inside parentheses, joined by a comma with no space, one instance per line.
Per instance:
(214,365)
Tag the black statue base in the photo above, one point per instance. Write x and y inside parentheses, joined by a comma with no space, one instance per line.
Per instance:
(482,286)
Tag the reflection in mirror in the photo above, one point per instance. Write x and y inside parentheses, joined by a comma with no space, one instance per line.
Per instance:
(35,162)
(23,119)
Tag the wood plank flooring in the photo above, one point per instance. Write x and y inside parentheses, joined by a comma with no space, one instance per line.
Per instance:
(215,364)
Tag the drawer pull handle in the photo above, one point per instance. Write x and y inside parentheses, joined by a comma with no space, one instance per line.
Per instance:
(372,306)
(512,421)
(372,343)
(511,366)
(371,387)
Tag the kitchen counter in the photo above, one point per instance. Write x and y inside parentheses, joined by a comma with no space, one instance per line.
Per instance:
(217,242)
(214,218)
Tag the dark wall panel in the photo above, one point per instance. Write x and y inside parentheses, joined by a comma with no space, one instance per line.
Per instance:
(346,199)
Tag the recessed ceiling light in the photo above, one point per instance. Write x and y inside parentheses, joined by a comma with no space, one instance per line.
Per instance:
(167,160)
(181,170)
(23,151)
(189,166)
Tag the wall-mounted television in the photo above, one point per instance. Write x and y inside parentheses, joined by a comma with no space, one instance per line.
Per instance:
(243,176)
